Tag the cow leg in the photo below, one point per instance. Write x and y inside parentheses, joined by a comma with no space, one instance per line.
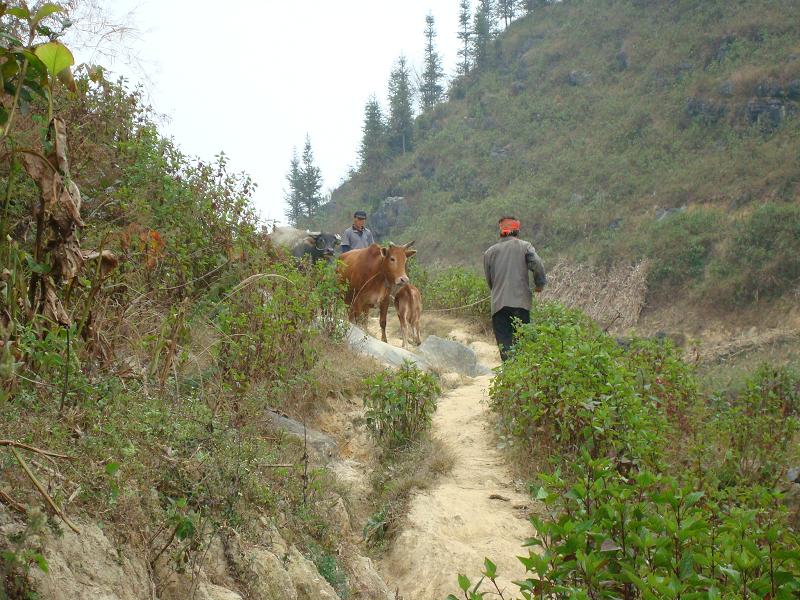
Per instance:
(384,311)
(403,325)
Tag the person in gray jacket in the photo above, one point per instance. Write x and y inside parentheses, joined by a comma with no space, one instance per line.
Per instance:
(357,235)
(506,265)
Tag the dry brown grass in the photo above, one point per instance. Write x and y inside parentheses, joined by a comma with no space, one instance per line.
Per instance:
(614,299)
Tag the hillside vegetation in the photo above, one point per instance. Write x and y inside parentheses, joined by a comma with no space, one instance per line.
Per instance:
(617,130)
(147,327)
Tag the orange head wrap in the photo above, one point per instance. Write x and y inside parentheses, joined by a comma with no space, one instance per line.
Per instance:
(507,226)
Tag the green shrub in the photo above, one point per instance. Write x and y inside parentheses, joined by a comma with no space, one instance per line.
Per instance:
(757,427)
(664,378)
(762,258)
(680,247)
(453,288)
(400,404)
(649,536)
(568,387)
(657,492)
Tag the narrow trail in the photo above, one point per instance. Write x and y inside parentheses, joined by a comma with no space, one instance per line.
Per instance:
(472,513)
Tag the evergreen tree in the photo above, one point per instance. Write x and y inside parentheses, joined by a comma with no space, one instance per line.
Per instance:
(401,116)
(311,181)
(431,89)
(529,6)
(373,141)
(506,10)
(483,32)
(464,35)
(294,207)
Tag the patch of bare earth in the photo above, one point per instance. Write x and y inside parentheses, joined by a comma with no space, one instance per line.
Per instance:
(473,512)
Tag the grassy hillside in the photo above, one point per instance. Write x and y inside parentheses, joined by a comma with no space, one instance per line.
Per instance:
(618,130)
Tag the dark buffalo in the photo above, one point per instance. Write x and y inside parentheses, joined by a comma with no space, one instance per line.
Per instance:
(317,244)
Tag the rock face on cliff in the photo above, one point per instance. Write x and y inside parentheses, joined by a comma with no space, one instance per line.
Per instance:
(392,214)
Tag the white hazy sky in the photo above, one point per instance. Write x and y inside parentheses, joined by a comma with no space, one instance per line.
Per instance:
(252,78)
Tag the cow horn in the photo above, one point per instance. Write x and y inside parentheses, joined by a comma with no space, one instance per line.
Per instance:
(313,233)
(338,237)
(392,245)
(409,244)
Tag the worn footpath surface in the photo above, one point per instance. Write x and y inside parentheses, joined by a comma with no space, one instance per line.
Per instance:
(473,512)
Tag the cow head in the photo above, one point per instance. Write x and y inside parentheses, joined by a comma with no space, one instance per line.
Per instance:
(322,244)
(394,263)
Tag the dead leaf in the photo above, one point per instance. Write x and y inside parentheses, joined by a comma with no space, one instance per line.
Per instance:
(609,545)
(108,261)
(53,309)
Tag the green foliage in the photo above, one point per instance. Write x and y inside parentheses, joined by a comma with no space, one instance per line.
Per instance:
(400,404)
(430,87)
(649,536)
(568,387)
(681,246)
(757,427)
(373,151)
(18,558)
(654,491)
(400,125)
(158,383)
(453,288)
(328,566)
(762,257)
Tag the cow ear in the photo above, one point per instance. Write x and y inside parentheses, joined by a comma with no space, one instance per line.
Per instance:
(384,252)
(410,253)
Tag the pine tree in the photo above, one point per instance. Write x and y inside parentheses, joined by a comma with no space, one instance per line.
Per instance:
(294,207)
(506,10)
(483,32)
(431,89)
(311,181)
(464,35)
(529,6)
(373,141)
(401,116)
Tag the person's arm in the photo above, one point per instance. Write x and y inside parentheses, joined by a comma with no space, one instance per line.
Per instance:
(346,241)
(487,270)
(370,240)
(536,265)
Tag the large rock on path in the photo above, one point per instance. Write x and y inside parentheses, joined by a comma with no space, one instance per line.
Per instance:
(362,343)
(450,356)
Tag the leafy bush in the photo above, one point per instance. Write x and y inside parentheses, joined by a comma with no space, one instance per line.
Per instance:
(400,404)
(757,427)
(453,288)
(649,536)
(568,387)
(615,420)
(680,247)
(761,259)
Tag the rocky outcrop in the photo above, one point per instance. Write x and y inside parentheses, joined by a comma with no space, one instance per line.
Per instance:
(393,213)
(323,445)
(90,566)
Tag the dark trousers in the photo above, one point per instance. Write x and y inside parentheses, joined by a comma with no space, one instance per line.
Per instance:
(503,325)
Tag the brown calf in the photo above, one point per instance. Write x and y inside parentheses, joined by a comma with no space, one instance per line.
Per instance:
(408,303)
(371,273)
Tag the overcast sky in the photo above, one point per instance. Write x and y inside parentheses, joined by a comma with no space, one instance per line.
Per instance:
(252,78)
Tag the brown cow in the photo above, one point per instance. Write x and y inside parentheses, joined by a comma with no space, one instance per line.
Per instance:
(408,303)
(371,273)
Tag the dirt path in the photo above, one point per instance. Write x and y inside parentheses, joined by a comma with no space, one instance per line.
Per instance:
(453,526)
